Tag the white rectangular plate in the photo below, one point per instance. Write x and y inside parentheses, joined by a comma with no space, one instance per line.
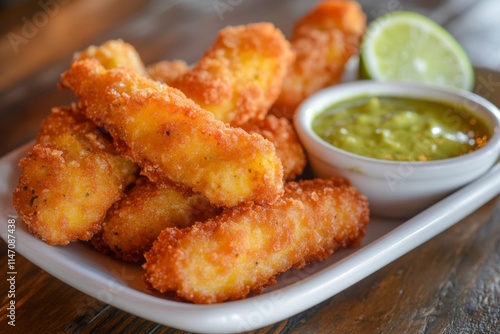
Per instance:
(120,284)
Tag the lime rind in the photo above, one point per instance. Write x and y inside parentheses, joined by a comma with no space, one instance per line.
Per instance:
(411,47)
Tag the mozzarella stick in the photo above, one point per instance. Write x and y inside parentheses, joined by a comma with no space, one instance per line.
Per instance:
(70,178)
(175,141)
(135,221)
(242,250)
(240,76)
(323,41)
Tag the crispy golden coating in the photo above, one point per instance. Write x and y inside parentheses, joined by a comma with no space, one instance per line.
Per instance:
(240,76)
(167,71)
(244,248)
(70,179)
(173,139)
(323,41)
(280,132)
(112,54)
(134,222)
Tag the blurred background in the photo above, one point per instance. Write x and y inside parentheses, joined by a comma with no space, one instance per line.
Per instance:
(39,37)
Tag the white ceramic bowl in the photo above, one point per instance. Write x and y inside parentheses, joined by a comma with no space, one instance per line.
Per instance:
(395,188)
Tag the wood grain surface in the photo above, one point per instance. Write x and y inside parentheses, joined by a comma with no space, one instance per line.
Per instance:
(450,284)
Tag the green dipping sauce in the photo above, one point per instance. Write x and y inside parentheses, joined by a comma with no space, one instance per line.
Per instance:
(401,129)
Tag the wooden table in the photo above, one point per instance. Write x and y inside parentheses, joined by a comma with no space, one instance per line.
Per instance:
(450,284)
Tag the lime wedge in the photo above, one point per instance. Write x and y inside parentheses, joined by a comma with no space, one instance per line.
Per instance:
(410,47)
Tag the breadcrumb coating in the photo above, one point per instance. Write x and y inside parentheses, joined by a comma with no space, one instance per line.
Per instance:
(70,178)
(280,132)
(242,250)
(174,141)
(323,41)
(241,75)
(135,221)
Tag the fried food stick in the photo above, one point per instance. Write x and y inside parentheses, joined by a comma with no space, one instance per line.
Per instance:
(280,132)
(69,180)
(173,140)
(135,221)
(323,41)
(112,54)
(240,76)
(243,249)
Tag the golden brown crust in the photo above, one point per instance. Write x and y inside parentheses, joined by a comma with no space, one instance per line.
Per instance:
(323,41)
(280,132)
(69,179)
(173,139)
(240,76)
(243,249)
(135,221)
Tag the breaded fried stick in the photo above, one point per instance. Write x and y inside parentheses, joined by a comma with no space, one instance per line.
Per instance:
(323,41)
(69,180)
(243,249)
(135,221)
(280,132)
(112,54)
(175,141)
(240,76)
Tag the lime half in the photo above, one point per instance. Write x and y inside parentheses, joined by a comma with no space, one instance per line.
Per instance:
(410,47)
